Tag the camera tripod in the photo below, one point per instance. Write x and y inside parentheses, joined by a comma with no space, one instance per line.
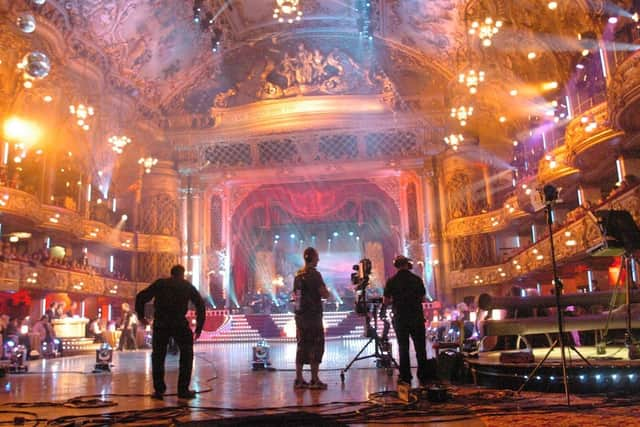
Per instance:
(382,351)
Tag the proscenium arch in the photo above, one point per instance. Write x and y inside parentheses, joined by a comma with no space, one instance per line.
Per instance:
(361,193)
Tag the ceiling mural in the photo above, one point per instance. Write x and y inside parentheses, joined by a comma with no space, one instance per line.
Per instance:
(155,52)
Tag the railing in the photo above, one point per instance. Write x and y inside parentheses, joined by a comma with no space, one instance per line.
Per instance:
(571,242)
(25,205)
(489,222)
(15,275)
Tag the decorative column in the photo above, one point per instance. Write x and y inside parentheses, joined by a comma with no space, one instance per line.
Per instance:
(158,222)
(432,230)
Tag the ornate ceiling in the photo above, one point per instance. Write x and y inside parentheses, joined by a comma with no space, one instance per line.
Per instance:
(153,52)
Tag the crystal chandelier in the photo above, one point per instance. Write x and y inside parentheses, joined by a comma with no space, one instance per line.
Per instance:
(118,142)
(462,114)
(147,163)
(485,30)
(287,10)
(471,79)
(82,113)
(454,140)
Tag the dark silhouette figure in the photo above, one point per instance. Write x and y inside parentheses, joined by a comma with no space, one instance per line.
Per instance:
(171,300)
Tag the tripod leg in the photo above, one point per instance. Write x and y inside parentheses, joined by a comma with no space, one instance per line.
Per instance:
(357,355)
(584,359)
(544,359)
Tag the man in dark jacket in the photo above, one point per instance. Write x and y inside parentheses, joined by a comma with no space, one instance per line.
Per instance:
(405,292)
(171,300)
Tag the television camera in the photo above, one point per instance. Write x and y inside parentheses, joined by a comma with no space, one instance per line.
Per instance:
(360,279)
(370,308)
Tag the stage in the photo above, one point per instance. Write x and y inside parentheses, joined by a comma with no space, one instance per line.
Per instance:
(229,390)
(611,372)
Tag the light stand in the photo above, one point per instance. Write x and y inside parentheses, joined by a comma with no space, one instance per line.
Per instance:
(550,196)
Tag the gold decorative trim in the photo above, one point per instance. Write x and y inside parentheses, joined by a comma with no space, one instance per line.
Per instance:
(570,241)
(580,135)
(489,222)
(19,203)
(19,275)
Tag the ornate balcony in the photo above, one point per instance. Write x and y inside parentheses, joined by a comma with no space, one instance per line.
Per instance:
(571,243)
(25,205)
(556,167)
(624,94)
(588,132)
(20,275)
(489,222)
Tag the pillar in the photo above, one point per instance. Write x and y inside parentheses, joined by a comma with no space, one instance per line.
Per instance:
(159,216)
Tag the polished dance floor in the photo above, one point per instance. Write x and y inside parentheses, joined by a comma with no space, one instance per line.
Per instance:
(64,391)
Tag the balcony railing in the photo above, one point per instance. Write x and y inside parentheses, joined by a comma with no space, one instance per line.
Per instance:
(571,242)
(16,275)
(25,205)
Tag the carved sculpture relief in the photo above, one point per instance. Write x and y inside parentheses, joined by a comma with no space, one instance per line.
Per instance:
(305,71)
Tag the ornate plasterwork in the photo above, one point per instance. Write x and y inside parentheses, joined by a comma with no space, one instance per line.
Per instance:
(584,233)
(578,137)
(624,94)
(489,222)
(392,187)
(19,203)
(305,71)
(13,276)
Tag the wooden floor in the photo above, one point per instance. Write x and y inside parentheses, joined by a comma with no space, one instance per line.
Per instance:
(228,389)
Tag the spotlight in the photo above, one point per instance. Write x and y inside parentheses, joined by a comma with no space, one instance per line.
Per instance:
(613,20)
(104,355)
(552,5)
(18,358)
(261,356)
(635,17)
(124,217)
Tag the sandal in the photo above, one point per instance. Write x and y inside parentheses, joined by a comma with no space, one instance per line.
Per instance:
(317,385)
(300,384)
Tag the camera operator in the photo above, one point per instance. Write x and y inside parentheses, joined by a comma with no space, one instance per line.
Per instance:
(405,292)
(309,289)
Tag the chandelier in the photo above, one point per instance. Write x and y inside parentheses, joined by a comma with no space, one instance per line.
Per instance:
(462,114)
(118,142)
(454,140)
(147,163)
(287,10)
(486,30)
(82,114)
(471,79)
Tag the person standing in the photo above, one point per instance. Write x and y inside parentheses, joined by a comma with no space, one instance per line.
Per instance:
(405,292)
(309,289)
(128,324)
(171,300)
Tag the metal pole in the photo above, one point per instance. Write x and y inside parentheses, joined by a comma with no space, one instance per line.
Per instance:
(558,290)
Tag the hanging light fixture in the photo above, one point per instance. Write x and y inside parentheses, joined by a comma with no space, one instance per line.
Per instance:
(454,140)
(485,30)
(83,114)
(287,10)
(147,163)
(462,114)
(471,79)
(118,142)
